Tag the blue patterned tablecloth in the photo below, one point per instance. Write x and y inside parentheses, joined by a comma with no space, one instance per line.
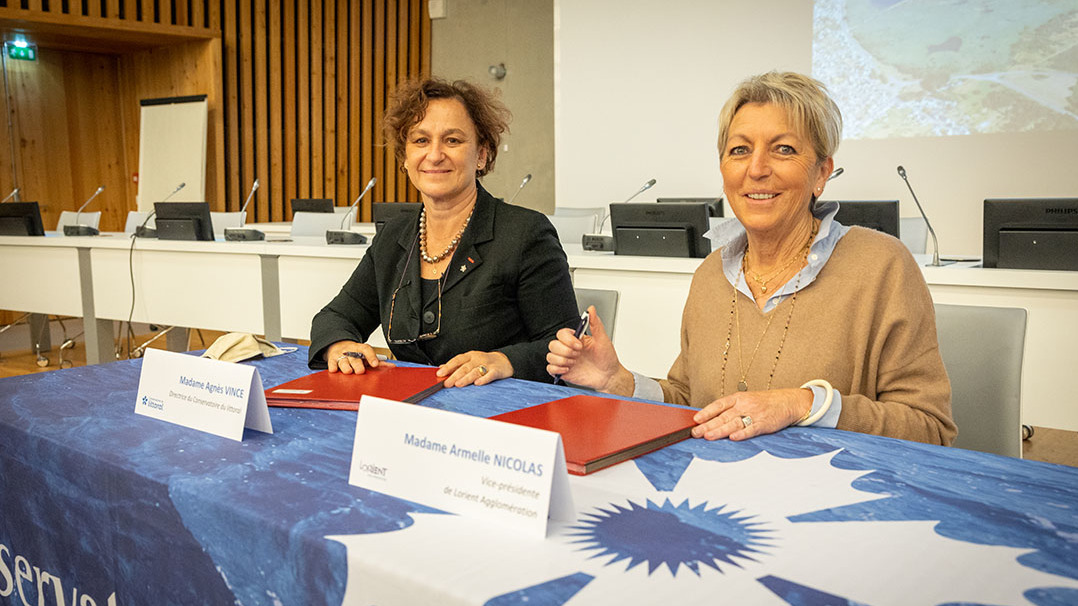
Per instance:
(100,505)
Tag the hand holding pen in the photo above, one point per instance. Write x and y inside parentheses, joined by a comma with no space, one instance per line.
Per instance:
(581,328)
(589,360)
(351,357)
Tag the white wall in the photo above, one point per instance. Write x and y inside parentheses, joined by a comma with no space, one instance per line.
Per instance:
(638,88)
(518,33)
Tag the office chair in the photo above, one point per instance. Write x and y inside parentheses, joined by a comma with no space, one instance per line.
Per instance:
(305,224)
(982,351)
(69,217)
(573,223)
(605,302)
(136,218)
(222,220)
(914,232)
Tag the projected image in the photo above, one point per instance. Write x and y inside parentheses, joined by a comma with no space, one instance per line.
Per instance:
(912,68)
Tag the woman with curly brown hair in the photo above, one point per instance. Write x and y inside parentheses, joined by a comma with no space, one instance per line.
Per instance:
(472,284)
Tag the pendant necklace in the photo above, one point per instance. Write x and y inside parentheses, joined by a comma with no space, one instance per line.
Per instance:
(735,318)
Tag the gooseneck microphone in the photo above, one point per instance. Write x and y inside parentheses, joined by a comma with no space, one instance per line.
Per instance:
(527,177)
(935,243)
(148,232)
(342,235)
(254,188)
(242,233)
(79,229)
(84,204)
(13,193)
(642,189)
(838,172)
(175,191)
(602,242)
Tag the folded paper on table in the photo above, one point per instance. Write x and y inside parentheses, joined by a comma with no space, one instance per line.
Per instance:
(339,391)
(598,432)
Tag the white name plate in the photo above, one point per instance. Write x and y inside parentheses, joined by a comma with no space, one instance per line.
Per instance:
(486,470)
(216,397)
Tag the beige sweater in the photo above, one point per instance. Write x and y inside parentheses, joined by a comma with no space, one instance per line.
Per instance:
(866,325)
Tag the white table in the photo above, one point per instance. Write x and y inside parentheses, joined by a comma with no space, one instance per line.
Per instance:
(275,287)
(52,276)
(653,291)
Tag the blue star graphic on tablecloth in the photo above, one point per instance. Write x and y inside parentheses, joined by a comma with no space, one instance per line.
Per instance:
(679,535)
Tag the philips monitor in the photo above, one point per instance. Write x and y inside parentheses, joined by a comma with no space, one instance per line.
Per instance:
(183,221)
(714,205)
(1031,233)
(21,219)
(312,205)
(660,230)
(880,215)
(382,212)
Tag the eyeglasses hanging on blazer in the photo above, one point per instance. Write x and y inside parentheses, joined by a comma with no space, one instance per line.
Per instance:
(393,303)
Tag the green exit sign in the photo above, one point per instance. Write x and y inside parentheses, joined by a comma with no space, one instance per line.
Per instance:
(22,53)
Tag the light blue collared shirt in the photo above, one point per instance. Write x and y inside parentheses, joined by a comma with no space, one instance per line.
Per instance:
(731,237)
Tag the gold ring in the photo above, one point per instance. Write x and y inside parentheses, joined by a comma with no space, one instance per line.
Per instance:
(482,370)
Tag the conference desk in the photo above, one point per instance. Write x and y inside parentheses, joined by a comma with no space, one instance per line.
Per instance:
(652,293)
(275,287)
(110,507)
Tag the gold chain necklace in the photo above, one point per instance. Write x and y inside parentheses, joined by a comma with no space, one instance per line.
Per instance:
(452,244)
(735,317)
(761,280)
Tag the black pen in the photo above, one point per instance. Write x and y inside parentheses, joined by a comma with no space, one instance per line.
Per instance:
(580,329)
(355,354)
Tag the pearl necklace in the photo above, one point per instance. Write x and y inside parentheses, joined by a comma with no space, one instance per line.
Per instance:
(448,249)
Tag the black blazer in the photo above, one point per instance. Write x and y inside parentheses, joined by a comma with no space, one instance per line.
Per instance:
(507,289)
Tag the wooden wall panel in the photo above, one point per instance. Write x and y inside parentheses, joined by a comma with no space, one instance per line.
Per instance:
(197,14)
(68,135)
(76,112)
(275,187)
(261,109)
(340,99)
(42,134)
(231,110)
(289,164)
(96,77)
(312,102)
(297,90)
(175,71)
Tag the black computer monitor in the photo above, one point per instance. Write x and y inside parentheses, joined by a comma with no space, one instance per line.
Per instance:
(714,205)
(660,230)
(387,211)
(880,215)
(1031,233)
(312,205)
(183,221)
(21,219)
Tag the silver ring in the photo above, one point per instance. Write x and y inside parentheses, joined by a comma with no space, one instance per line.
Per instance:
(746,420)
(339,358)
(483,370)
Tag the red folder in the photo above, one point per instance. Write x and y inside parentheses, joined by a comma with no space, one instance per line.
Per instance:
(598,432)
(338,391)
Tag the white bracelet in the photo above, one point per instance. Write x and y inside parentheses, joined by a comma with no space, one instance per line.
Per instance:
(826,401)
